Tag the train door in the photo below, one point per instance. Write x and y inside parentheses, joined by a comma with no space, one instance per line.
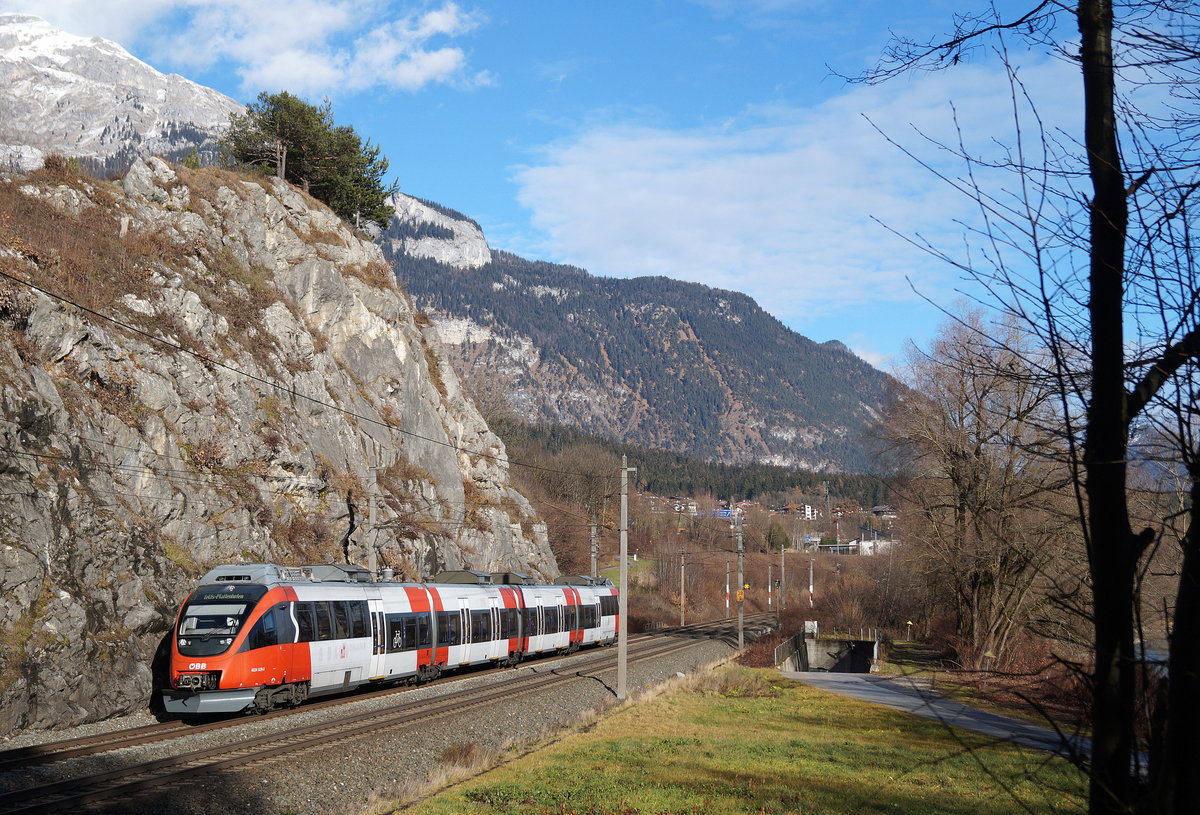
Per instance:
(378,622)
(272,640)
(464,625)
(539,626)
(497,647)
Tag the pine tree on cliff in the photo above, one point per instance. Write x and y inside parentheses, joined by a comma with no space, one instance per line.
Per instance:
(299,142)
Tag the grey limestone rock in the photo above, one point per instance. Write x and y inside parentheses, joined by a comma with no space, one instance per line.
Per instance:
(422,230)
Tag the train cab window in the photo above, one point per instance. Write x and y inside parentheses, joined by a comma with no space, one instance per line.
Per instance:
(358,619)
(213,616)
(608,605)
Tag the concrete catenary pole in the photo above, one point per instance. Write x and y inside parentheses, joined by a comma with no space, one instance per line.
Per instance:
(782,579)
(741,582)
(682,590)
(595,549)
(373,481)
(623,599)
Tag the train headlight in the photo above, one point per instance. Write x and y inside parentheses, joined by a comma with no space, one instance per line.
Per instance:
(227,641)
(209,680)
(183,643)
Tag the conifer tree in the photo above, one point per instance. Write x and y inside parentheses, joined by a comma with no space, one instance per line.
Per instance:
(300,143)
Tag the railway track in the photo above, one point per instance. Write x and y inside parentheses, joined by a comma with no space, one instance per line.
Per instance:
(50,752)
(78,791)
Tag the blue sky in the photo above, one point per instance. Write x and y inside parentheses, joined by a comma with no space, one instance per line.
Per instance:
(703,140)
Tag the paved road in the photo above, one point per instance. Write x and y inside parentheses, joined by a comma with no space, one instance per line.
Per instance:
(902,694)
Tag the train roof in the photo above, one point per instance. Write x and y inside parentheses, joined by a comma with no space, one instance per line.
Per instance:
(271,573)
(581,580)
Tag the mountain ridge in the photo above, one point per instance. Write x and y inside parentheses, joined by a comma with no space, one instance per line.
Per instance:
(653,361)
(90,99)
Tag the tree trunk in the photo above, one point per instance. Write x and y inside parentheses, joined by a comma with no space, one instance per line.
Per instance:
(1112,546)
(1180,787)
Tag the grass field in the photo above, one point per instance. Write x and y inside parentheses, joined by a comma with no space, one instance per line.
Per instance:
(746,741)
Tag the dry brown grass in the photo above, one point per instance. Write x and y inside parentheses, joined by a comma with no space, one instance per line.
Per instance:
(81,257)
(376,274)
(435,371)
(308,538)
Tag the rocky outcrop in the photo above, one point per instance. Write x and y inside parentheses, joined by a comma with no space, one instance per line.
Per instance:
(425,230)
(210,368)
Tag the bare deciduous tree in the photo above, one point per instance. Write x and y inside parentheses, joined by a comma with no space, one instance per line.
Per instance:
(983,482)
(1093,248)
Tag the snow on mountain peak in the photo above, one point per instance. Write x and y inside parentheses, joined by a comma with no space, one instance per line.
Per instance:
(89,98)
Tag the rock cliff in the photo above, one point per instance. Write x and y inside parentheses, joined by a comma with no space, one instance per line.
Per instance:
(427,230)
(196,368)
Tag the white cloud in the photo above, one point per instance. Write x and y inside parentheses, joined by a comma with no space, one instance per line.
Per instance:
(780,205)
(117,21)
(310,47)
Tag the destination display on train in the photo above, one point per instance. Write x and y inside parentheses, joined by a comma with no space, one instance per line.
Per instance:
(229,594)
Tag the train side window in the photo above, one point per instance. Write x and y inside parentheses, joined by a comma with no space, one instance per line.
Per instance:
(448,630)
(508,623)
(304,620)
(358,619)
(608,605)
(341,620)
(324,621)
(395,632)
(412,632)
(531,621)
(285,628)
(552,620)
(481,626)
(424,632)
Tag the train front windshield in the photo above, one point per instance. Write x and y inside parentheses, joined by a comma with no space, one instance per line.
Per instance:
(213,616)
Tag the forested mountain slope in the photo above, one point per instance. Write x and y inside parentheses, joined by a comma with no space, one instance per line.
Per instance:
(650,361)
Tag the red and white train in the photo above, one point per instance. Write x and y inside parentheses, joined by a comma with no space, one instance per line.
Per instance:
(260,636)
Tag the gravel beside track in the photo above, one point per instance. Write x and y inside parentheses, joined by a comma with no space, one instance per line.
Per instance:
(349,776)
